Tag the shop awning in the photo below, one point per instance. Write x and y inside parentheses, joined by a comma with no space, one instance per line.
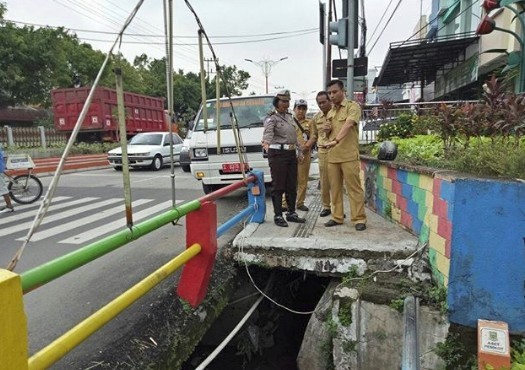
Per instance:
(409,61)
(451,12)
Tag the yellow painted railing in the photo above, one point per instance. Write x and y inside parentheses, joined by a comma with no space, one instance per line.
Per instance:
(61,346)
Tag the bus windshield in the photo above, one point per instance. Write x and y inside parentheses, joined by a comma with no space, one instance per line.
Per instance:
(250,112)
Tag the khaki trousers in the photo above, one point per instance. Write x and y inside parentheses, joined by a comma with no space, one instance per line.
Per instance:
(303,171)
(323,176)
(347,173)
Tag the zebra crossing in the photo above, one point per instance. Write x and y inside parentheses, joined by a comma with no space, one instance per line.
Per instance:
(77,221)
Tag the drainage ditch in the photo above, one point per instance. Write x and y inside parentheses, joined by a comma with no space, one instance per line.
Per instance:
(272,336)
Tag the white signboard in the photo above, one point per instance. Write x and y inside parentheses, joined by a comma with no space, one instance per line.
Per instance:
(494,341)
(19,161)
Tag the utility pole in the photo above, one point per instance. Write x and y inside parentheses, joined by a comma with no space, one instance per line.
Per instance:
(208,61)
(328,46)
(266,66)
(350,49)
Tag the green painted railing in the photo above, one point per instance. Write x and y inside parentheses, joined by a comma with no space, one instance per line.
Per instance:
(60,266)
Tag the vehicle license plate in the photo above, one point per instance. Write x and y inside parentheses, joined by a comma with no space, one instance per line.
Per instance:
(233,167)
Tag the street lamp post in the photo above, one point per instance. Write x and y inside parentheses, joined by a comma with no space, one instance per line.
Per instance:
(266,66)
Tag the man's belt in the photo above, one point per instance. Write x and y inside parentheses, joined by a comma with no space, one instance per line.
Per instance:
(282,146)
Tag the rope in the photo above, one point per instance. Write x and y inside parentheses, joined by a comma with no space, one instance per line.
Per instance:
(243,159)
(46,202)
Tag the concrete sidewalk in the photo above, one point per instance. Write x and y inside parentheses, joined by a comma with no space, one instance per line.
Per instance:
(324,250)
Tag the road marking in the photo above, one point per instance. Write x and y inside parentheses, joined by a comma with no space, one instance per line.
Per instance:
(18,215)
(115,225)
(84,221)
(73,212)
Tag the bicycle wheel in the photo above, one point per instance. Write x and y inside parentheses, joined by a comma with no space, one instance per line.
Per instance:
(25,189)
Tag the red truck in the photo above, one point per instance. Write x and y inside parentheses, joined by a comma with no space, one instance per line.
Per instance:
(143,113)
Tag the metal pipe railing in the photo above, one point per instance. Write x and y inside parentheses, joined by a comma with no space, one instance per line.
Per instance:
(57,349)
(227,189)
(234,220)
(62,265)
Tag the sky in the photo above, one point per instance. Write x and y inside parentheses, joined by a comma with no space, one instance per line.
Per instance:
(249,24)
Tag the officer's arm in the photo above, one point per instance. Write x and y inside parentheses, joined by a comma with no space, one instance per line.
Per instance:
(269,125)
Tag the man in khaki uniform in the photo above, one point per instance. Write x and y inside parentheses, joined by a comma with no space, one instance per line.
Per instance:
(319,120)
(343,157)
(306,138)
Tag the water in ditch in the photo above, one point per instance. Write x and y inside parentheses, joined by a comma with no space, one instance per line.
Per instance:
(272,336)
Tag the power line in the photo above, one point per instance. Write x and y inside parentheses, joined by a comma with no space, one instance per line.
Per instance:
(378,23)
(216,43)
(383,30)
(314,29)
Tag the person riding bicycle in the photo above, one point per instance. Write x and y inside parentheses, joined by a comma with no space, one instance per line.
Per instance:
(3,186)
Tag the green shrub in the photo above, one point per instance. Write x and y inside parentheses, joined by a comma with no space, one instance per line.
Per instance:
(487,158)
(490,157)
(418,150)
(424,124)
(401,127)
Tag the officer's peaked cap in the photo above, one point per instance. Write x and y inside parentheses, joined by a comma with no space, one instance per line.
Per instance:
(283,95)
(300,103)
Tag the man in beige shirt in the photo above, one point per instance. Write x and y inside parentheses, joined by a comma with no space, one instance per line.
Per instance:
(306,137)
(319,120)
(343,157)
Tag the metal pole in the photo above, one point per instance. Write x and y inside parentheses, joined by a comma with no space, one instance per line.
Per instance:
(328,46)
(203,84)
(217,104)
(325,46)
(124,147)
(350,49)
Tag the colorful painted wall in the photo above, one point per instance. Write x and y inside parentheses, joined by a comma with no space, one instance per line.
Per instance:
(419,202)
(475,230)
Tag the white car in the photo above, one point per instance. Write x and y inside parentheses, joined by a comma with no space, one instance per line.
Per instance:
(147,149)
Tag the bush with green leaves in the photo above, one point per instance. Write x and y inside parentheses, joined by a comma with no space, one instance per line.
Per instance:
(422,150)
(401,127)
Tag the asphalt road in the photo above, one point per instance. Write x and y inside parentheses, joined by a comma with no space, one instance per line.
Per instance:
(89,205)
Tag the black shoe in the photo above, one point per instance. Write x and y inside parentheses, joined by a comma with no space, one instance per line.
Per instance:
(303,208)
(360,227)
(332,223)
(279,221)
(325,212)
(293,217)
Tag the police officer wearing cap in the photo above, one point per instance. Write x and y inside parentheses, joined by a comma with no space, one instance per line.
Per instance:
(280,142)
(306,136)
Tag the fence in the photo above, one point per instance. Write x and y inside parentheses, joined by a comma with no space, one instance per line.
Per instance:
(30,137)
(198,258)
(375,115)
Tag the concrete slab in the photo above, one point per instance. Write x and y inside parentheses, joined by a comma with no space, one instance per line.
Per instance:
(324,250)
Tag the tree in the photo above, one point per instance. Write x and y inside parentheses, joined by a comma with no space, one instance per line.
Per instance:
(237,81)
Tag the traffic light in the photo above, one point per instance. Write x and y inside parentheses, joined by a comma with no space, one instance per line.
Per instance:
(338,33)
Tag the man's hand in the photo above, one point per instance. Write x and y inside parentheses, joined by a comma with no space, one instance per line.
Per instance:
(265,146)
(327,127)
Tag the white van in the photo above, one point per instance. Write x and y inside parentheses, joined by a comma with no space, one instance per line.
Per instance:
(215,168)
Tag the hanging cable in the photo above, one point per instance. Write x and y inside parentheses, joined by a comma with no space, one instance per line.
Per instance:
(383,30)
(379,23)
(243,159)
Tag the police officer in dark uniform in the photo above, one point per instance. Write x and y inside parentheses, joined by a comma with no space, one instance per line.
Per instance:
(280,141)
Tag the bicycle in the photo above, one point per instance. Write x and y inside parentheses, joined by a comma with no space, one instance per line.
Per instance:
(25,188)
